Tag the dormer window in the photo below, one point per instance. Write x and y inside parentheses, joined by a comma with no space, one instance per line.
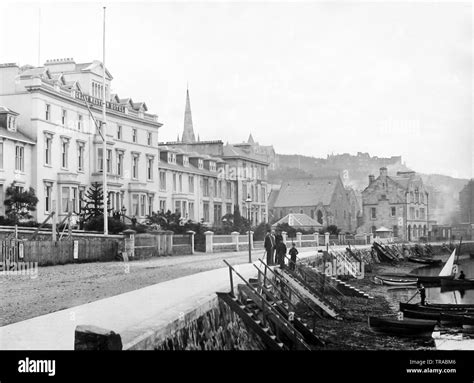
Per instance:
(171,158)
(11,124)
(185,161)
(212,166)
(200,163)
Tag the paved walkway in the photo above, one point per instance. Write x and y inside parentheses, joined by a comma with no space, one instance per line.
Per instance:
(129,314)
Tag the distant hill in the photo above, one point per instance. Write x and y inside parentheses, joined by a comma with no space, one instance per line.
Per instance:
(355,169)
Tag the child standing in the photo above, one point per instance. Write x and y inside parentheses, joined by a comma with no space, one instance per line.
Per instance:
(293,253)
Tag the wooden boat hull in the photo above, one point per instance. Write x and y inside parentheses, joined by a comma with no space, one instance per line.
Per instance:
(444,317)
(433,279)
(406,327)
(424,261)
(395,281)
(458,283)
(437,307)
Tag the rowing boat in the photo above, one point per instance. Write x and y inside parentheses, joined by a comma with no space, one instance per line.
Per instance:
(444,317)
(437,307)
(405,327)
(394,281)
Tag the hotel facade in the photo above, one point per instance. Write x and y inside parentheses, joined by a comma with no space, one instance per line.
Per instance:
(53,106)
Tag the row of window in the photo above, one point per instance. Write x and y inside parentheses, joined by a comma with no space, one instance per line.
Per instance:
(416,197)
(118,169)
(72,200)
(79,125)
(186,209)
(178,185)
(257,194)
(413,213)
(254,171)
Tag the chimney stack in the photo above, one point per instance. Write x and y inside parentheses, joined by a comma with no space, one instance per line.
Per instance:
(371,178)
(383,172)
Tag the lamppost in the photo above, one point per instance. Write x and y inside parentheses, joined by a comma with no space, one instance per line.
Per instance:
(249,201)
(123,210)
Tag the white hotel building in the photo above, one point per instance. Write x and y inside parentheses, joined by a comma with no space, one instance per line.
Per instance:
(54,126)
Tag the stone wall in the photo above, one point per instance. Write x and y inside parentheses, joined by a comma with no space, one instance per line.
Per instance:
(212,326)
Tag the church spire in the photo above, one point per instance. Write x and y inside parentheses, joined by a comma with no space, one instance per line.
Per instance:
(250,140)
(188,131)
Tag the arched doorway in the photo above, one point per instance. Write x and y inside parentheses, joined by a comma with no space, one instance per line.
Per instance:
(319,215)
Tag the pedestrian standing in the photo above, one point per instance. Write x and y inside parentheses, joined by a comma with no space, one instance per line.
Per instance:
(422,291)
(293,253)
(280,251)
(269,244)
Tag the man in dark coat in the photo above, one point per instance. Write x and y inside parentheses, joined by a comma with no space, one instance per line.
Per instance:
(269,244)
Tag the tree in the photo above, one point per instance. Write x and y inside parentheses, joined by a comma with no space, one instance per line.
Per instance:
(20,203)
(94,203)
(332,230)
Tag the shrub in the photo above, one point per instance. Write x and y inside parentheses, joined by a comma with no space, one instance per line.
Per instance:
(97,224)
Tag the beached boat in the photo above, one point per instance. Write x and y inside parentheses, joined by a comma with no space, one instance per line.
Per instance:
(425,261)
(437,307)
(394,281)
(405,327)
(444,317)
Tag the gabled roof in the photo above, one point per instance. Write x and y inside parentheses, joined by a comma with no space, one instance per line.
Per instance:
(233,151)
(309,192)
(4,110)
(39,72)
(139,105)
(298,220)
(88,67)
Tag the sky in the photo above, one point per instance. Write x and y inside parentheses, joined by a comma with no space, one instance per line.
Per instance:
(311,78)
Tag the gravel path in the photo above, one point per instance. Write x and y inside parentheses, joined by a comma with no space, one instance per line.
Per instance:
(61,287)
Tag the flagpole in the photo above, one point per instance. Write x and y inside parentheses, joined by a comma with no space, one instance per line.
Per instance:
(104,134)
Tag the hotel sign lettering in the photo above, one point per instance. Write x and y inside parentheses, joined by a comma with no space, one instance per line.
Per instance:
(98,102)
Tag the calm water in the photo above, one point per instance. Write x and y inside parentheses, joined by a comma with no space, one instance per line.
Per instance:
(434,294)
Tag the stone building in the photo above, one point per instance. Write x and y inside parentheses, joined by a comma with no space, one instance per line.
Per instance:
(399,203)
(324,199)
(55,103)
